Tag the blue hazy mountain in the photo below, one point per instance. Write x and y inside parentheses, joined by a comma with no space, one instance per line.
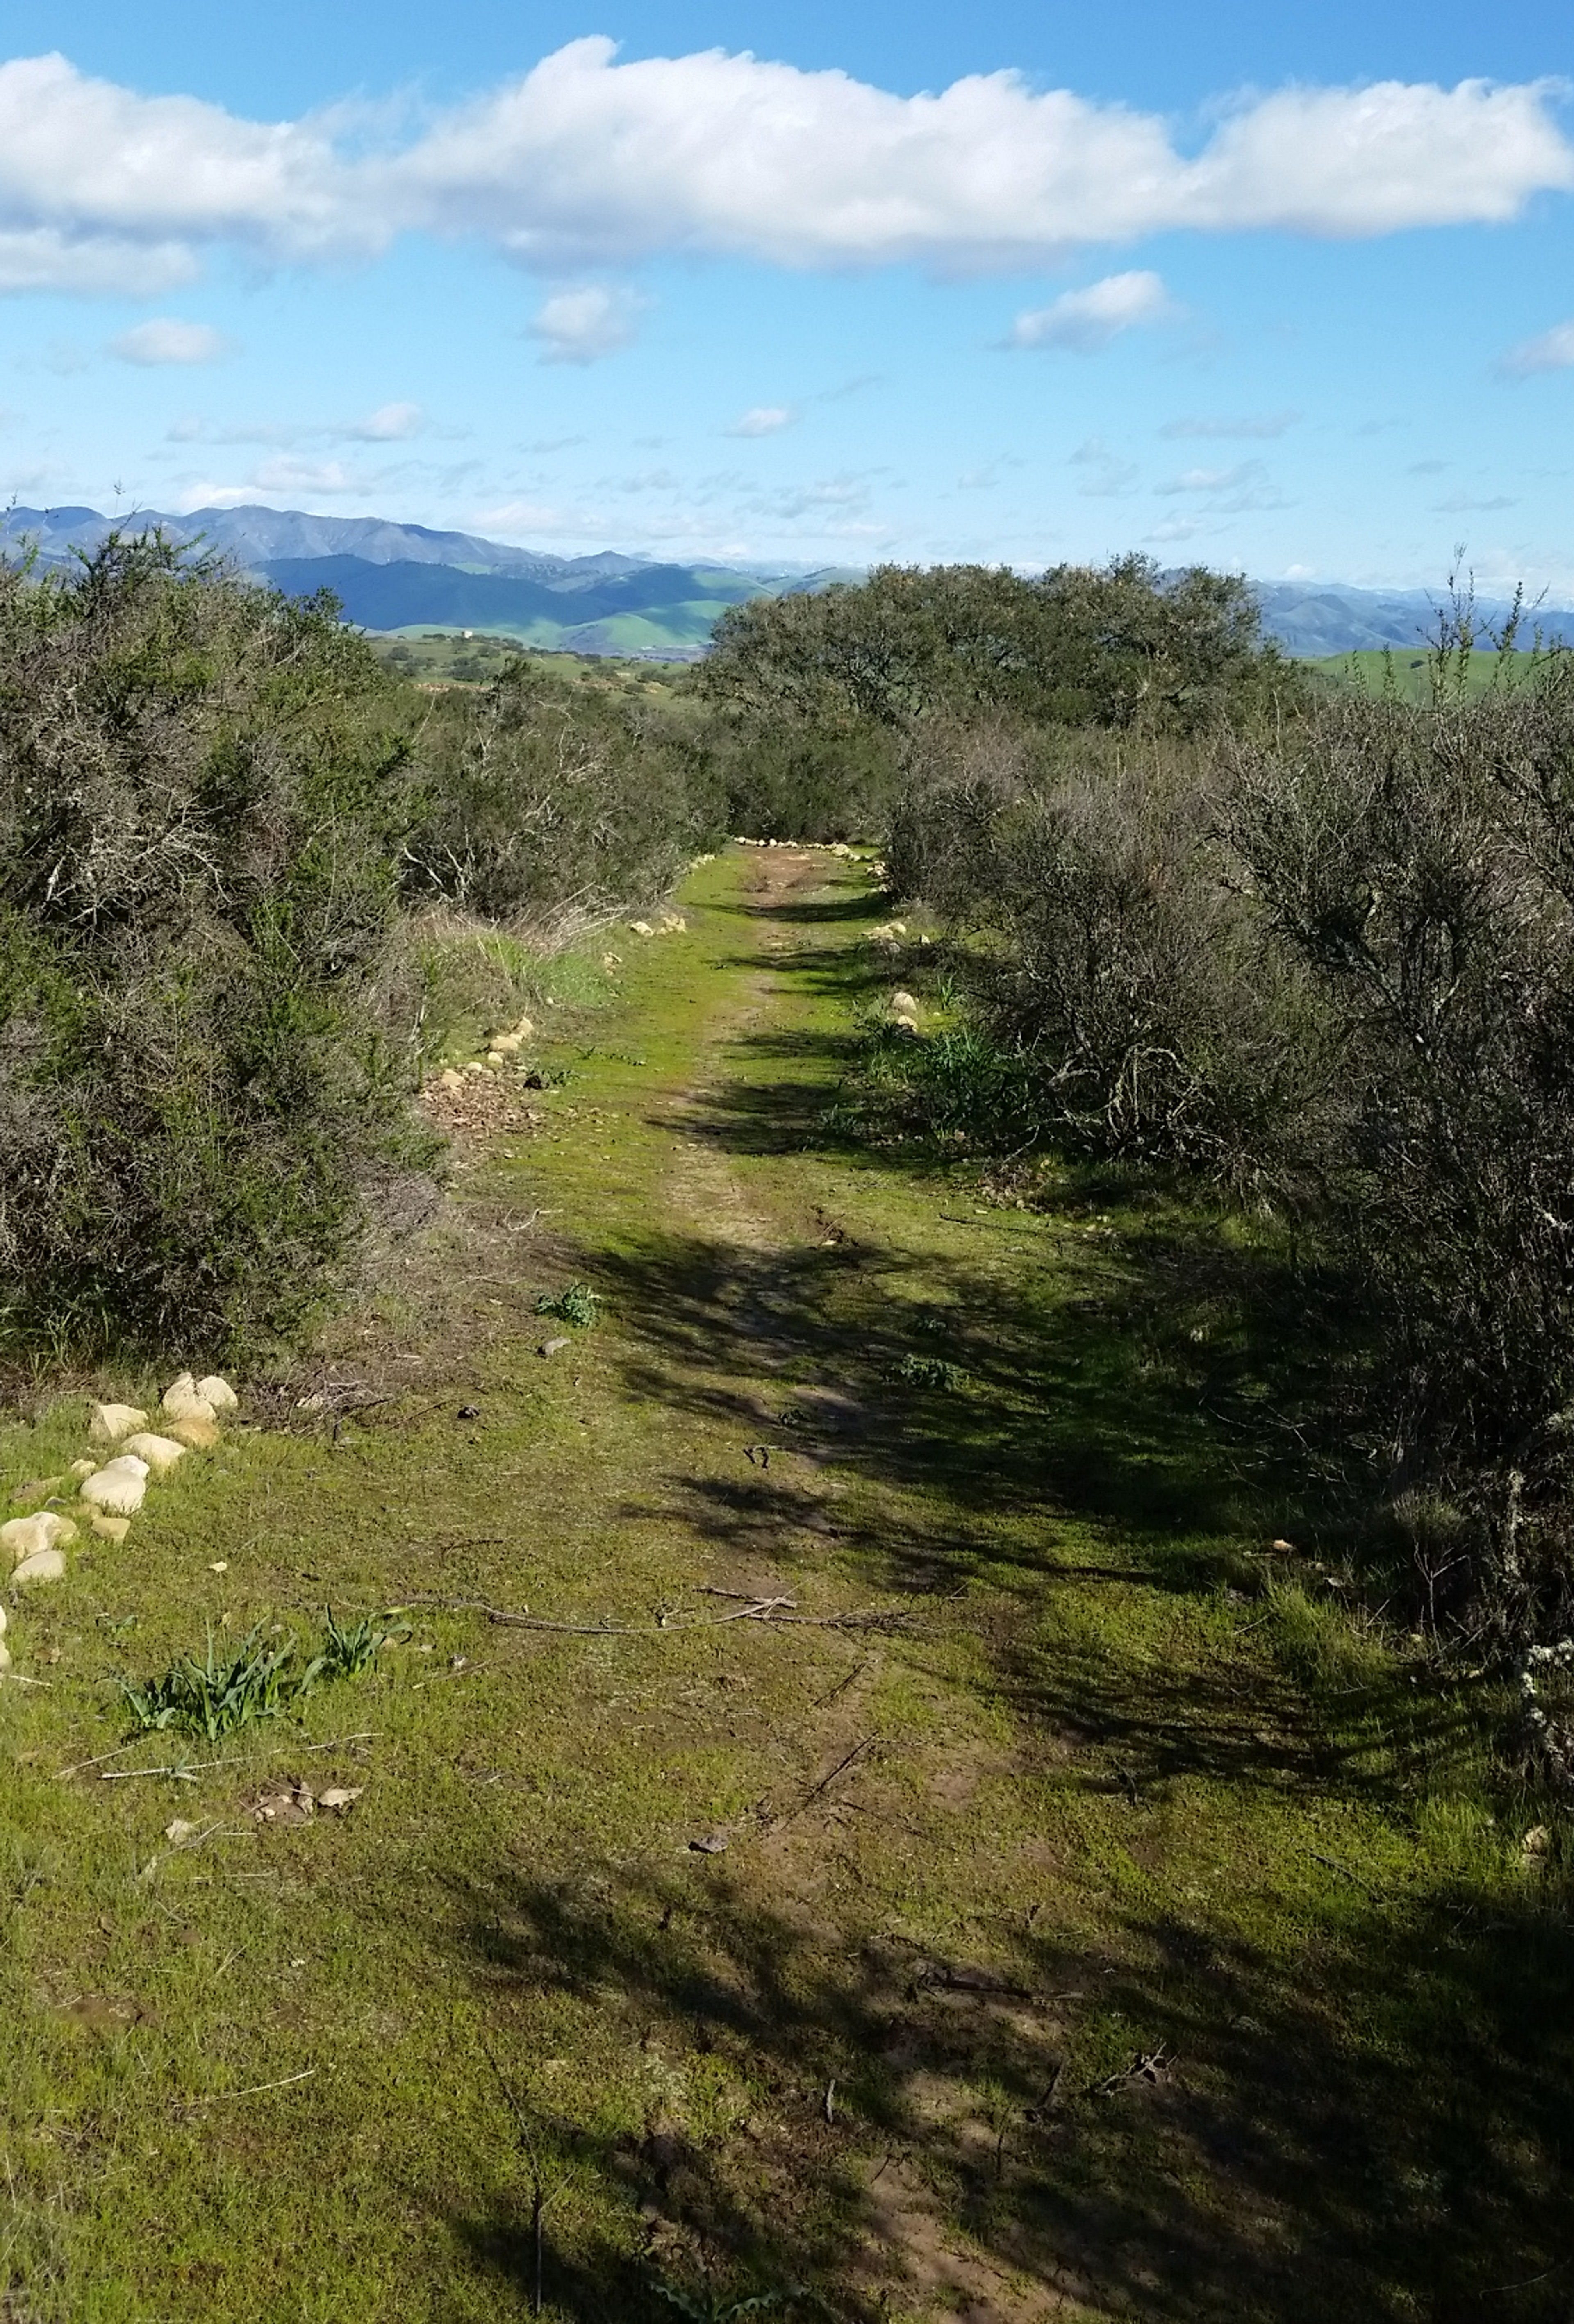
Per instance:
(394,577)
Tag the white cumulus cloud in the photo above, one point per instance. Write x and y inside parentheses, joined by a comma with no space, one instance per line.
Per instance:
(1553,350)
(1083,321)
(165,340)
(580,327)
(764,420)
(586,163)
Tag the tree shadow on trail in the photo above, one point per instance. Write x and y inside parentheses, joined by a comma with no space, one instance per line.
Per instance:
(1387,2141)
(1274,2115)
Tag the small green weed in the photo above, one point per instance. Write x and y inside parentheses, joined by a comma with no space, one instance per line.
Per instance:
(348,1651)
(926,1371)
(578,1305)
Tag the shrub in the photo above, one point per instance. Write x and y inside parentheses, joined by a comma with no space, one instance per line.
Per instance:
(542,800)
(205,1027)
(1335,970)
(1124,646)
(1417,865)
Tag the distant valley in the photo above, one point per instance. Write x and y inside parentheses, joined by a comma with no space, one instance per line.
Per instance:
(396,579)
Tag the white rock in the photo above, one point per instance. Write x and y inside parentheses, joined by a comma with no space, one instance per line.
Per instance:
(113,1529)
(110,1422)
(80,1468)
(27,1537)
(43,1565)
(201,1434)
(495,1057)
(118,1487)
(160,1452)
(505,1045)
(640,928)
(184,1400)
(903,1004)
(218,1393)
(524,1029)
(2,1621)
(4,1657)
(450,1079)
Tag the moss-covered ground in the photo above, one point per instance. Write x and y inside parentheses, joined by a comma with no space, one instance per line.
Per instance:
(1065,1902)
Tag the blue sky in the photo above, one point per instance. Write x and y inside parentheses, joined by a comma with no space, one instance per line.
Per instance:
(1287,291)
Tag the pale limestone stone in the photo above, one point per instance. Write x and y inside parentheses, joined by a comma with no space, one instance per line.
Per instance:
(110,1422)
(43,1565)
(23,1537)
(161,1453)
(118,1487)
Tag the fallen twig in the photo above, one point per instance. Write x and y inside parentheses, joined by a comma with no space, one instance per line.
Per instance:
(746,1597)
(256,2088)
(187,1774)
(1345,1874)
(775,1823)
(757,1609)
(83,1764)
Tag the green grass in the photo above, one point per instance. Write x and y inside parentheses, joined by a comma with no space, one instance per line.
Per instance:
(1110,1908)
(1412,669)
(473,657)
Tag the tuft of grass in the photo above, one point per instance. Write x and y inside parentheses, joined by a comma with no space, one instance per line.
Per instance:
(255,1680)
(224,1691)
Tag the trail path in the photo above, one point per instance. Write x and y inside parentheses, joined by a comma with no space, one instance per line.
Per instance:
(1022,1906)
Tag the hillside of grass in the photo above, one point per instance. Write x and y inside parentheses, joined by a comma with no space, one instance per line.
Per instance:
(1410,674)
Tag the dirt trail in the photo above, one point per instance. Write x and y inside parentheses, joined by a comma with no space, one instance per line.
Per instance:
(1046,1914)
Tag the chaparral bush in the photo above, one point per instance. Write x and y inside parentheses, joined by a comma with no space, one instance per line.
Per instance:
(206,1030)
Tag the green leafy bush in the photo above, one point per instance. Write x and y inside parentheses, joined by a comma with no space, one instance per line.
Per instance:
(206,1027)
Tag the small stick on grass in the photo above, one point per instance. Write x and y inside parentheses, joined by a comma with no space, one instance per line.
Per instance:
(824,1784)
(103,1756)
(185,1775)
(256,2088)
(1344,1873)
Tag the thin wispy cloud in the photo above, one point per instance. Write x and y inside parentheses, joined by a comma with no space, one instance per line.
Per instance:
(166,340)
(764,420)
(1082,322)
(391,423)
(1553,350)
(1226,492)
(1105,475)
(1248,425)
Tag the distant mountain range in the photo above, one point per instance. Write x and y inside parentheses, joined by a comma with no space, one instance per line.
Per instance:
(393,578)
(1335,620)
